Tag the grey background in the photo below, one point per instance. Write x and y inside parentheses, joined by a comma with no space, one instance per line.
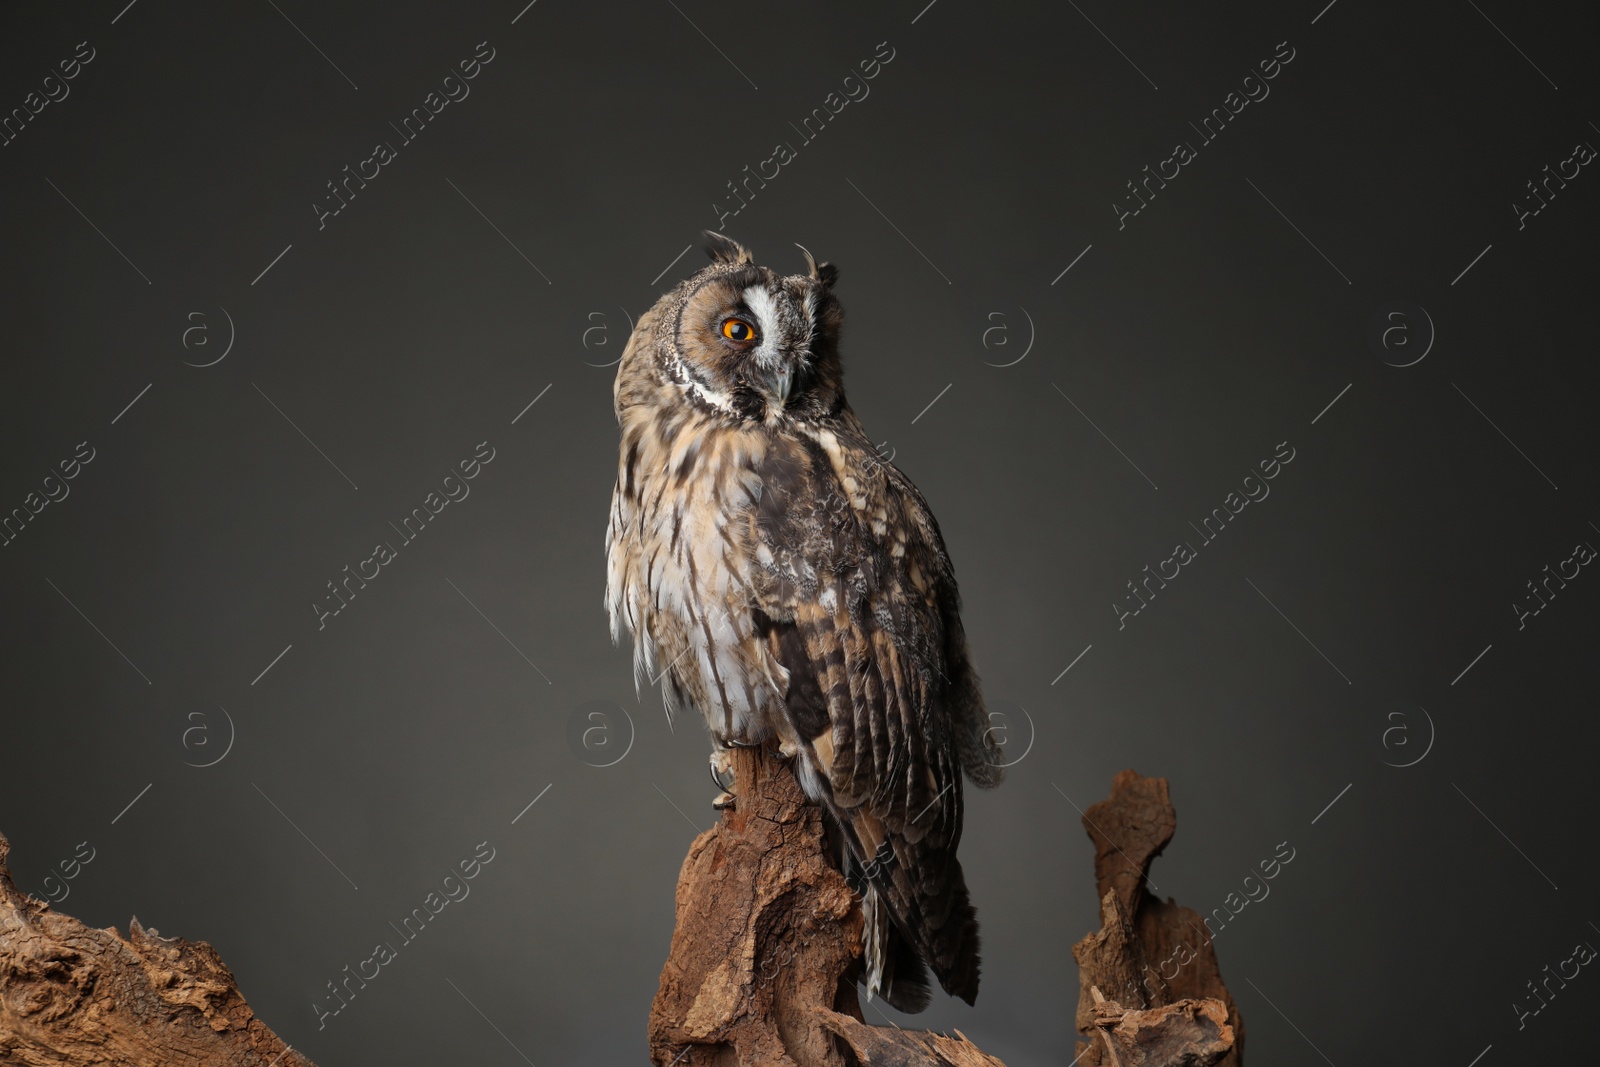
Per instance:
(1196,338)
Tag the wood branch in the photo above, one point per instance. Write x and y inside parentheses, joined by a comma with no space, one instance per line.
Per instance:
(1153,956)
(767,946)
(71,995)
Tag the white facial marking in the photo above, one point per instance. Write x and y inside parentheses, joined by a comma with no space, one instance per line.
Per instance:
(679,376)
(760,302)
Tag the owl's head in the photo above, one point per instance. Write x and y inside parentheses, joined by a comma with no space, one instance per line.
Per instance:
(748,342)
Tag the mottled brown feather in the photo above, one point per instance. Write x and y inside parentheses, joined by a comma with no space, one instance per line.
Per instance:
(783,579)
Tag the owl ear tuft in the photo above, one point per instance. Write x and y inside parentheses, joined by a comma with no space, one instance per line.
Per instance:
(826,273)
(724,249)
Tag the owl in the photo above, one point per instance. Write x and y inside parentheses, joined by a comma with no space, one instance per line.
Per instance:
(781,578)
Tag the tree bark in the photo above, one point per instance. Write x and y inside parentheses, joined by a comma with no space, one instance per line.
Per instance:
(1133,1010)
(72,996)
(765,953)
(761,971)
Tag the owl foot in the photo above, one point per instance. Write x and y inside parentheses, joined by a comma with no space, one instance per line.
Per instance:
(788,750)
(723,802)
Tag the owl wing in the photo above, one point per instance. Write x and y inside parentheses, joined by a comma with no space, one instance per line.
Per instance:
(855,600)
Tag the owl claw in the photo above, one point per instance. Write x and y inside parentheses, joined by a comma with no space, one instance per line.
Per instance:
(721,770)
(723,802)
(788,750)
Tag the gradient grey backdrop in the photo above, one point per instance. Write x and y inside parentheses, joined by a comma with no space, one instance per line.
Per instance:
(1266,681)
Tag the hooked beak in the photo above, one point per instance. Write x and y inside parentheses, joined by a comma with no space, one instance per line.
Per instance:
(781,380)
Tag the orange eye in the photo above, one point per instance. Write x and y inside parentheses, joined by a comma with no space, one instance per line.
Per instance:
(738,330)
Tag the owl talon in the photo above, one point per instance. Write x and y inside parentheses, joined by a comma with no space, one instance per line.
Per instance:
(788,750)
(723,801)
(722,770)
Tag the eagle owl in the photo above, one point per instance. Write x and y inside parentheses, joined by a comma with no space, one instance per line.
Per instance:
(783,579)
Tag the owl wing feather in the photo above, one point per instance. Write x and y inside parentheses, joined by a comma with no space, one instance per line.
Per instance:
(854,595)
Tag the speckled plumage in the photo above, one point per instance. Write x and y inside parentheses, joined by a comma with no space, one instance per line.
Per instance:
(780,577)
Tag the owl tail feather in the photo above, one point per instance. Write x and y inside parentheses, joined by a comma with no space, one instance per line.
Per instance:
(894,970)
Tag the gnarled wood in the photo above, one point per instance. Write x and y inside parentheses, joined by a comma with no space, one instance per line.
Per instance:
(72,996)
(1153,955)
(1187,1033)
(767,944)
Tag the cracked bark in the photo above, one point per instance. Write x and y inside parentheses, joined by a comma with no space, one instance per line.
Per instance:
(71,996)
(1135,1013)
(767,944)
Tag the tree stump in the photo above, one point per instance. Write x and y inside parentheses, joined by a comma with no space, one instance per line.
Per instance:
(767,946)
(72,996)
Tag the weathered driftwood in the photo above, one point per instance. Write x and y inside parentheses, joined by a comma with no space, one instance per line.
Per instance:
(1150,993)
(1188,1033)
(767,945)
(761,970)
(71,995)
